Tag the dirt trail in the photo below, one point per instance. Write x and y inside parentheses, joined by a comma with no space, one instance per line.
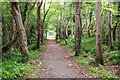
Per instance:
(58,63)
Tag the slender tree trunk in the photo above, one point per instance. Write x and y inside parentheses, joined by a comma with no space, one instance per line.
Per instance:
(86,22)
(90,24)
(65,36)
(38,23)
(57,29)
(103,30)
(118,21)
(61,36)
(28,34)
(72,31)
(114,32)
(5,36)
(20,28)
(99,33)
(0,35)
(78,29)
(110,27)
(24,12)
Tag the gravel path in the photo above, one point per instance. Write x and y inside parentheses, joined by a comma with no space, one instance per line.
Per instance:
(56,62)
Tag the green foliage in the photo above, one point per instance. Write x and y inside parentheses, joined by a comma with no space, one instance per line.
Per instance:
(82,60)
(115,57)
(32,46)
(34,54)
(62,42)
(15,68)
(115,45)
(71,41)
(101,72)
(89,45)
(105,47)
(58,41)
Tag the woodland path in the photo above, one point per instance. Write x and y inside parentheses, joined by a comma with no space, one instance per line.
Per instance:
(57,62)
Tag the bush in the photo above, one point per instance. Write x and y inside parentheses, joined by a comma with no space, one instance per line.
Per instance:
(62,42)
(58,41)
(15,68)
(32,46)
(115,57)
(71,42)
(89,45)
(100,72)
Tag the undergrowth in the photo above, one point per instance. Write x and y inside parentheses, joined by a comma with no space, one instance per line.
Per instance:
(12,65)
(87,57)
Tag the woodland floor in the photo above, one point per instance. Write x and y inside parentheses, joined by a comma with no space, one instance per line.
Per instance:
(57,62)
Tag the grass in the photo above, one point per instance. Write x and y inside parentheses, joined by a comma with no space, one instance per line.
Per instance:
(15,68)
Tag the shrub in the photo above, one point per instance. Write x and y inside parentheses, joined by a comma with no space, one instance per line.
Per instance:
(115,56)
(62,42)
(58,41)
(15,68)
(100,72)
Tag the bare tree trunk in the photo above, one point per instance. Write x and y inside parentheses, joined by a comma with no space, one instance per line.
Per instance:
(42,25)
(99,33)
(118,16)
(78,29)
(28,33)
(114,32)
(72,31)
(13,26)
(38,23)
(57,37)
(110,27)
(5,36)
(20,28)
(61,36)
(90,24)
(65,35)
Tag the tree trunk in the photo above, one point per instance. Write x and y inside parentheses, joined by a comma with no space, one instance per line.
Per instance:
(24,12)
(72,31)
(90,24)
(5,36)
(99,33)
(61,36)
(114,32)
(28,33)
(110,27)
(78,29)
(13,26)
(57,36)
(20,28)
(118,16)
(65,35)
(38,23)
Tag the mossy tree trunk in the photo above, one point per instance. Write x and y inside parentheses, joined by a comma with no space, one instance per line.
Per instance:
(78,29)
(20,28)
